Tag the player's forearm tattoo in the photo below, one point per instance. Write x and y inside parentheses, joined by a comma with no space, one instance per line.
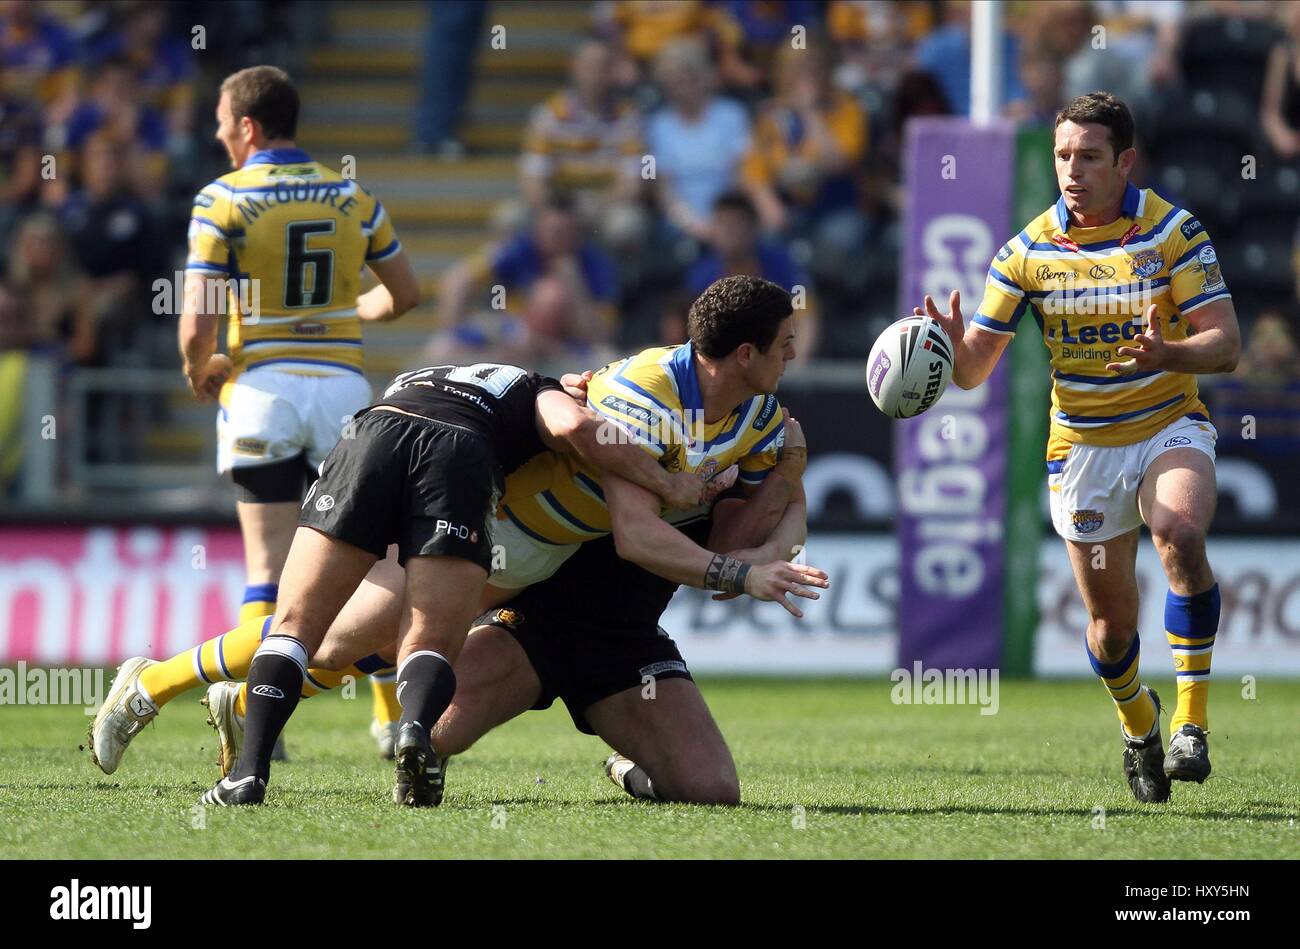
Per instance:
(726,575)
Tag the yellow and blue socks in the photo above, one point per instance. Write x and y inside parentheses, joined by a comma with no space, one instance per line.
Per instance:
(384,706)
(1191,623)
(1133,702)
(224,657)
(259,600)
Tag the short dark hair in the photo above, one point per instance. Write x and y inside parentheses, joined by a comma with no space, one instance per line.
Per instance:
(736,201)
(736,310)
(1101,108)
(267,95)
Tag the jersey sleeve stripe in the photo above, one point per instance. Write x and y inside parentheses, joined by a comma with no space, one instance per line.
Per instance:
(761,445)
(213,225)
(205,266)
(387,252)
(1005,283)
(1196,302)
(992,325)
(754,477)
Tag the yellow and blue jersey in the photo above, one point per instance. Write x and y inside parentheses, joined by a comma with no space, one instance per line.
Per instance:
(292,236)
(1088,289)
(655,395)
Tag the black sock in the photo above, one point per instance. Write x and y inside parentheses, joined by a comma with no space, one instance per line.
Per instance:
(425,686)
(637,783)
(274,680)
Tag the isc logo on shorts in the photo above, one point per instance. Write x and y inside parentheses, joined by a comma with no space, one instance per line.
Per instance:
(1178,440)
(1087,522)
(457,530)
(324,502)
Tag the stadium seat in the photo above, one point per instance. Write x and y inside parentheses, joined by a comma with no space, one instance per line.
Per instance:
(1228,53)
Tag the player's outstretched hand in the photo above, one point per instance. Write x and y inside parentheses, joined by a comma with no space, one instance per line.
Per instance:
(206,380)
(774,580)
(576,385)
(951,321)
(1148,354)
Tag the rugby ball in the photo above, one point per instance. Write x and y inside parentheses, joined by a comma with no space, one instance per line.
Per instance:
(909,367)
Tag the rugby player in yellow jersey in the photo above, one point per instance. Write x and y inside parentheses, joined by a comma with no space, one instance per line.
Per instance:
(1127,292)
(701,408)
(279,244)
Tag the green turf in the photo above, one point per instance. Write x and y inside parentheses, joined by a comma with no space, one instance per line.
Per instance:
(873,779)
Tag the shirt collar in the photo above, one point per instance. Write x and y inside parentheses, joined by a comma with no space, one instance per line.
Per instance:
(1127,208)
(682,363)
(278,156)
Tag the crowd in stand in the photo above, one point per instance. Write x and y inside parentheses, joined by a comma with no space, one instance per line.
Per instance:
(694,139)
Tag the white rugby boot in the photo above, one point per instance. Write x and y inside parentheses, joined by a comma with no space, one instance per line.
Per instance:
(123,715)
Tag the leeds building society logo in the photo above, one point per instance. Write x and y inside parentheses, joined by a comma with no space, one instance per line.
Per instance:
(1087,522)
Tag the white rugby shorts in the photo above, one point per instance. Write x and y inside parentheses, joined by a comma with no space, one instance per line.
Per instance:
(1093,490)
(268,415)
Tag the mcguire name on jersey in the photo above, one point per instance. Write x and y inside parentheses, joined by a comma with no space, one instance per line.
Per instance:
(1088,289)
(655,395)
(303,232)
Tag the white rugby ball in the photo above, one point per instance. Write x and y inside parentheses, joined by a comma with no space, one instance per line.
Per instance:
(909,367)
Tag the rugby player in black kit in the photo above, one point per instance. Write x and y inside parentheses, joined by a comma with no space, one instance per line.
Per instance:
(422,469)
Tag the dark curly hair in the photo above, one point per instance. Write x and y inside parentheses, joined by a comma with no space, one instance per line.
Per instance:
(1101,108)
(737,310)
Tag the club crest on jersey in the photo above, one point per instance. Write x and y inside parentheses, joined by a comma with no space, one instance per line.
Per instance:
(1087,522)
(1146,263)
(706,471)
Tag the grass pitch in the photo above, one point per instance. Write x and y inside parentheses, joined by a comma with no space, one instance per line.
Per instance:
(828,768)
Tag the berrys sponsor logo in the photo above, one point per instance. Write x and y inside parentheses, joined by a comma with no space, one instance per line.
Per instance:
(310,328)
(876,376)
(1178,440)
(324,502)
(74,901)
(1087,522)
(270,691)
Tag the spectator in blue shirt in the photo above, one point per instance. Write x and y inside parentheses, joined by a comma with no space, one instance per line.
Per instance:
(945,54)
(698,139)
